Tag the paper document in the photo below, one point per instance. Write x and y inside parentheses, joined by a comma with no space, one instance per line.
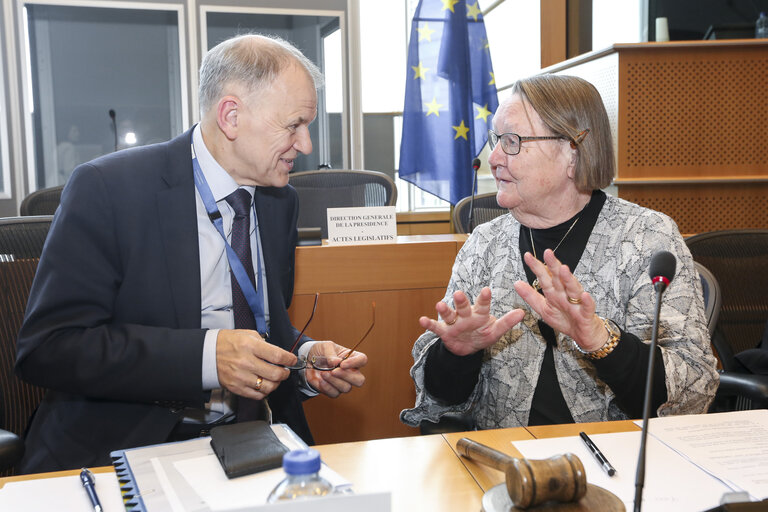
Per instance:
(219,493)
(187,476)
(671,483)
(65,492)
(733,446)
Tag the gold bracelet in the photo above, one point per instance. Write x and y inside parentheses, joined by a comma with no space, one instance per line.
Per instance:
(614,335)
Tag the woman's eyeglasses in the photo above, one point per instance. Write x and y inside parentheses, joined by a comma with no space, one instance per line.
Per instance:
(322,363)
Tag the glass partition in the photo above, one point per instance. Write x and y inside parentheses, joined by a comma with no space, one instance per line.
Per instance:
(5,171)
(318,38)
(100,79)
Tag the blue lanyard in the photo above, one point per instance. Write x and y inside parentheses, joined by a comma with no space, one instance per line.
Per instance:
(255,297)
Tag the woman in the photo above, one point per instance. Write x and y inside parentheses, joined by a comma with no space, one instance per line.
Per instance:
(540,344)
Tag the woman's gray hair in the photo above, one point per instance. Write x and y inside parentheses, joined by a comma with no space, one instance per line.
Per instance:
(568,105)
(252,60)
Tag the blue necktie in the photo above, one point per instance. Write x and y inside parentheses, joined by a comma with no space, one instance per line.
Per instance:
(240,201)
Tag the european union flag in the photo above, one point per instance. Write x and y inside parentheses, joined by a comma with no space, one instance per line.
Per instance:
(450,95)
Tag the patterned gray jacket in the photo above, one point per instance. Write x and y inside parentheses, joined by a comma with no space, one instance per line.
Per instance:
(614,270)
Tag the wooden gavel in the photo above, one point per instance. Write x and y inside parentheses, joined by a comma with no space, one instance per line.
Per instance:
(532,482)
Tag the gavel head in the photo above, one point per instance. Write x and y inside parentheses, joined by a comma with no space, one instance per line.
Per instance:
(533,482)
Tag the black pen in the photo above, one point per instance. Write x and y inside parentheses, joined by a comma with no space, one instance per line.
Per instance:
(598,454)
(89,483)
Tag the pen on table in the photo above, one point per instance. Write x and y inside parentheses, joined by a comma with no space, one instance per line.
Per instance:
(89,483)
(598,454)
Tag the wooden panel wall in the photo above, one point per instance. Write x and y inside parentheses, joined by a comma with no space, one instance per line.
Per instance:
(693,141)
(689,119)
(698,208)
(405,280)
(553,32)
(693,111)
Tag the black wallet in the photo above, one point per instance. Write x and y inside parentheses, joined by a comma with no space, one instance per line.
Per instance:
(248,447)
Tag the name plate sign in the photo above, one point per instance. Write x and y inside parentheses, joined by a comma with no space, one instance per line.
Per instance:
(365,225)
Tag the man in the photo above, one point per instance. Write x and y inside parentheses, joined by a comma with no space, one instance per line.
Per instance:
(130,318)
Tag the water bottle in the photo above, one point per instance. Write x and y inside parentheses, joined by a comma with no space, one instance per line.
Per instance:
(302,479)
(761,26)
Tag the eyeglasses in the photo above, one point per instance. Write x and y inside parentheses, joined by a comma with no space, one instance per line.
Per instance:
(311,316)
(322,363)
(510,142)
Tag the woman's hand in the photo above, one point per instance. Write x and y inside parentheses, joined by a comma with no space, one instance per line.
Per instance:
(469,328)
(565,306)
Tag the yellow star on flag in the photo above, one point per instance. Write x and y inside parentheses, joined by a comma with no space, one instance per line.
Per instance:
(419,71)
(425,33)
(493,78)
(483,113)
(448,4)
(461,131)
(473,10)
(434,107)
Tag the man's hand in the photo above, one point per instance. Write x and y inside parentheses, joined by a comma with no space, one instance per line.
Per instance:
(341,379)
(246,363)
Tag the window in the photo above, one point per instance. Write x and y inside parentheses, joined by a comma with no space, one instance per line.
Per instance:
(616,22)
(5,171)
(84,104)
(514,36)
(319,38)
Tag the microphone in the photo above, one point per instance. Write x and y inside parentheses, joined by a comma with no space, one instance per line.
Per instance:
(475,167)
(661,270)
(114,125)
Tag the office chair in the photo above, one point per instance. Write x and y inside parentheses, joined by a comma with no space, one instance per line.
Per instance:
(41,202)
(485,208)
(712,297)
(329,188)
(738,259)
(21,243)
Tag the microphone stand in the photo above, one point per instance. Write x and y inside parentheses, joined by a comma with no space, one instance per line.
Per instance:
(640,475)
(112,116)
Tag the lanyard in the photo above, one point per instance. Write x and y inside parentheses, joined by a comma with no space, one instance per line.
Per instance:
(255,297)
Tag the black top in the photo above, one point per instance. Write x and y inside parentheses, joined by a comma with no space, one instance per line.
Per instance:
(451,378)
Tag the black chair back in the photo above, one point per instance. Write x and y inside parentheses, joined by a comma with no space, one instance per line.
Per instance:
(42,202)
(320,190)
(485,209)
(738,260)
(21,244)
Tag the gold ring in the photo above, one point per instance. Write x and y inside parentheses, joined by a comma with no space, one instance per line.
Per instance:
(573,301)
(454,321)
(259,380)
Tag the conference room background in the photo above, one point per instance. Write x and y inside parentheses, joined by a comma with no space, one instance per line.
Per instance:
(68,65)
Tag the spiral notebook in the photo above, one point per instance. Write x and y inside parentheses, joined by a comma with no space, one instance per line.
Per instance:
(185,476)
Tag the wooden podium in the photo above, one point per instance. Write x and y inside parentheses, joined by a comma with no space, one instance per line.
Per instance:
(405,279)
(690,124)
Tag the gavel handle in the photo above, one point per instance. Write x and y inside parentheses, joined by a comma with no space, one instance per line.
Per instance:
(484,454)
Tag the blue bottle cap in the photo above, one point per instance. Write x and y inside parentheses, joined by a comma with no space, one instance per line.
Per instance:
(301,462)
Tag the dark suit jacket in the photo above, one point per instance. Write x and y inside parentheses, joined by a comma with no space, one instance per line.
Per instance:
(112,326)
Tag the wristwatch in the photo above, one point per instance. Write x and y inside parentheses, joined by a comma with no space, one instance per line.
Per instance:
(614,335)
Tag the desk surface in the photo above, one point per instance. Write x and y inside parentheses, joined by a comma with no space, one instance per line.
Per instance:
(501,440)
(405,279)
(422,472)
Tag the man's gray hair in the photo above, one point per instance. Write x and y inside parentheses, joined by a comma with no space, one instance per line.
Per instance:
(252,60)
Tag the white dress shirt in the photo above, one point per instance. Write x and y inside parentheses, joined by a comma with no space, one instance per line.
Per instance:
(216,286)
